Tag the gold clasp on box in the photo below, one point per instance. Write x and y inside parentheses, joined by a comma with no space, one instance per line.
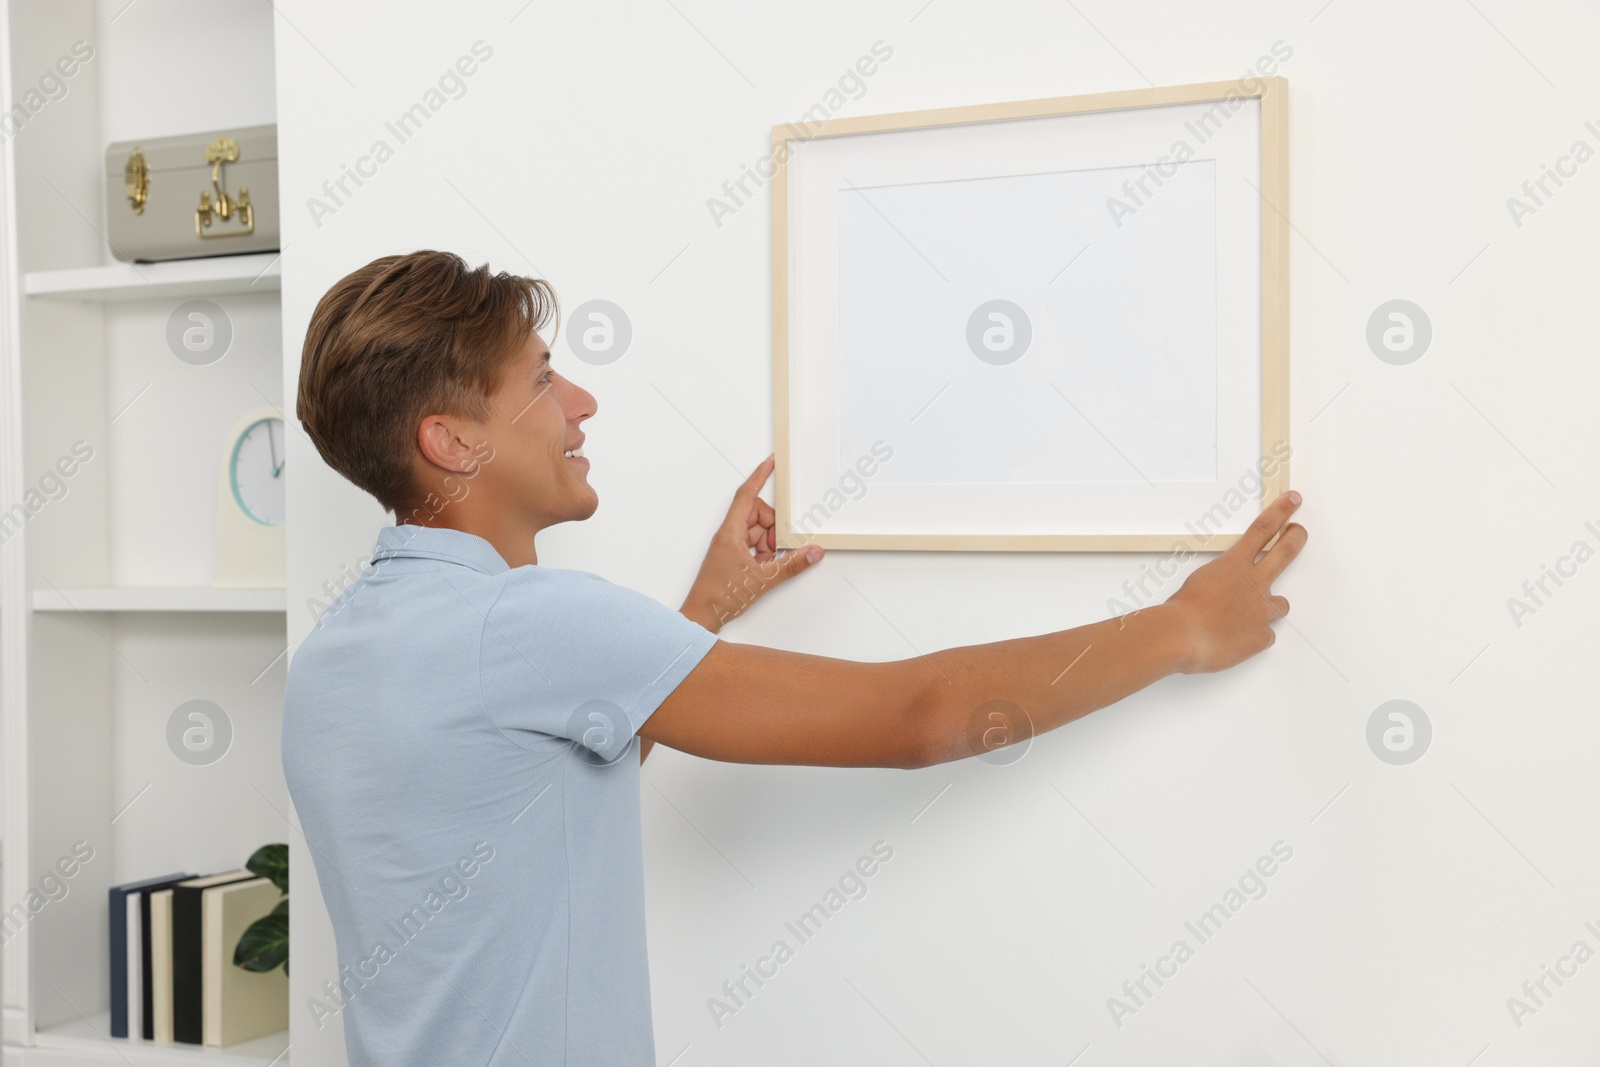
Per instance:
(223,150)
(136,176)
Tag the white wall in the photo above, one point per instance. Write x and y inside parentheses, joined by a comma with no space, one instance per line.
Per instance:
(1021,897)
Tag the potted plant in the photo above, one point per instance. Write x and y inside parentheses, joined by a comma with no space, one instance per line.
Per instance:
(265,943)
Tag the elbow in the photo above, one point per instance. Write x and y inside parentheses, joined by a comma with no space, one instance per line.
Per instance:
(942,729)
(930,733)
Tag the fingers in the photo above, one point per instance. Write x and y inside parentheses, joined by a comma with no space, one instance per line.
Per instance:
(762,541)
(1283,553)
(1280,605)
(758,478)
(760,530)
(748,494)
(796,560)
(784,564)
(1264,526)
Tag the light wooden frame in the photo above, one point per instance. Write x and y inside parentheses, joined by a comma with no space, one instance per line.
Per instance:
(1274,187)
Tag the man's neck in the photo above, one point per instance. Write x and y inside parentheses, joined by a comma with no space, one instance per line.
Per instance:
(511,539)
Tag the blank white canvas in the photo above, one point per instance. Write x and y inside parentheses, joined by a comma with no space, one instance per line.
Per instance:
(1118,380)
(1137,406)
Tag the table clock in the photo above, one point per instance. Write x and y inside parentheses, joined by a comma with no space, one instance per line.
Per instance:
(251,504)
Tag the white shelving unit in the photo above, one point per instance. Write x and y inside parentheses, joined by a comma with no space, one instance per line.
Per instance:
(70,1042)
(254,273)
(157,598)
(107,619)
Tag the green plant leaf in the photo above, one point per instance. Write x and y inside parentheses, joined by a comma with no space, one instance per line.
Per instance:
(271,861)
(265,943)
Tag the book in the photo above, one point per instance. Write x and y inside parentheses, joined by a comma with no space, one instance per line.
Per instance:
(238,1004)
(147,1008)
(186,950)
(161,964)
(135,967)
(123,915)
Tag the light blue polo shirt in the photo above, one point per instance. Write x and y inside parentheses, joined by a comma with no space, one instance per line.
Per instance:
(459,739)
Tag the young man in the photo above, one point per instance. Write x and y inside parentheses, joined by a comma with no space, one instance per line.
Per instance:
(462,732)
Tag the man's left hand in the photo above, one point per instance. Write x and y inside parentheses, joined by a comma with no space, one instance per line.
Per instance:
(744,561)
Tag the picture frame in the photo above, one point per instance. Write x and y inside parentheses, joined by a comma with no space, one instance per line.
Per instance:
(906,251)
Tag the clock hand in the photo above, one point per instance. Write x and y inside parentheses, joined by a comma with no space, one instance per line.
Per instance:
(273,445)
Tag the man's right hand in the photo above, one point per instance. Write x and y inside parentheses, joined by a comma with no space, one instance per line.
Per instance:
(1226,606)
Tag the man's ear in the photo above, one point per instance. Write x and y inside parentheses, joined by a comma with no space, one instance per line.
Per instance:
(442,446)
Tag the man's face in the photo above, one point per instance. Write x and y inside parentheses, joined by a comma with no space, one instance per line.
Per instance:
(533,426)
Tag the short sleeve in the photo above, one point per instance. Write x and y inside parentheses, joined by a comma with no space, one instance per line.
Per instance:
(565,653)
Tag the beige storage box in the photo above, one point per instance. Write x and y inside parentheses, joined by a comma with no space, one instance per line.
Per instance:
(201,194)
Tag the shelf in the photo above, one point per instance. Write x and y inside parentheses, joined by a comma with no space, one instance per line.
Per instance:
(160,598)
(258,272)
(88,1038)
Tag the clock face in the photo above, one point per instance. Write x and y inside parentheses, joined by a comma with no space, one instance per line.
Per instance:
(257,472)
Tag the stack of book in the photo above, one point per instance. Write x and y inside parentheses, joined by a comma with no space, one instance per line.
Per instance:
(172,972)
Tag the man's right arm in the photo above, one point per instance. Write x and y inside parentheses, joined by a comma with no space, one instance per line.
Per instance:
(748,704)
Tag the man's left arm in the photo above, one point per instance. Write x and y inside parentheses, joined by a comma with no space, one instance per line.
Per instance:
(742,563)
